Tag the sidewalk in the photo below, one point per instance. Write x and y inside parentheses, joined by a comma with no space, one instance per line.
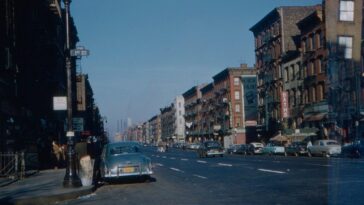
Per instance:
(44,187)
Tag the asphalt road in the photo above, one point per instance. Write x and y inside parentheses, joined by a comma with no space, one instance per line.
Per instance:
(180,177)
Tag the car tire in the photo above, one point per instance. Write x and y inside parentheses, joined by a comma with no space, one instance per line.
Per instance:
(221,155)
(324,154)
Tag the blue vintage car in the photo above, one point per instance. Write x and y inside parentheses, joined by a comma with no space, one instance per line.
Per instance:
(124,159)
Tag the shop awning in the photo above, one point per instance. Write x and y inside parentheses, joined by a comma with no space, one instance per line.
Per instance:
(315,117)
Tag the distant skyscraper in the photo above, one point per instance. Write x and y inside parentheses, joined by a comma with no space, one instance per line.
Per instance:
(129,122)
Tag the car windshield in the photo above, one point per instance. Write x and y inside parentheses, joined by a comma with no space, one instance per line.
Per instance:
(123,150)
(331,143)
(212,144)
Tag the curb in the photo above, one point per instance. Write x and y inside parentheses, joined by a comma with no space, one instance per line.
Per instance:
(8,182)
(49,199)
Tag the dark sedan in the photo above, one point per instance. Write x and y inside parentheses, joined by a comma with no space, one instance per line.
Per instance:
(296,149)
(210,148)
(353,150)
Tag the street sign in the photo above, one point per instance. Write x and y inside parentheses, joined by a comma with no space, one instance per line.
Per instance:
(284,105)
(77,124)
(59,103)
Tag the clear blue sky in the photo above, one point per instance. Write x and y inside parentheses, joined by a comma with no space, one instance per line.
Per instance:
(146,52)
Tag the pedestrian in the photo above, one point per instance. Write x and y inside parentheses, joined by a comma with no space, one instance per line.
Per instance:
(57,152)
(309,144)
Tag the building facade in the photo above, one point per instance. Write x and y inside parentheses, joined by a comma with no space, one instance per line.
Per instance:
(274,37)
(168,123)
(192,115)
(229,101)
(343,22)
(179,107)
(32,71)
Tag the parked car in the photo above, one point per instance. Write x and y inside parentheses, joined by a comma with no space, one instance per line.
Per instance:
(210,148)
(255,148)
(242,149)
(193,146)
(325,148)
(353,150)
(233,148)
(296,149)
(124,159)
(273,148)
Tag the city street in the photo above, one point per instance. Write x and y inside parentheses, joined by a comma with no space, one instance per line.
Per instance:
(180,177)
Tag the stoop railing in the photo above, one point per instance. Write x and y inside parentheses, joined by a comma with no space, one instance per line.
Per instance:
(12,165)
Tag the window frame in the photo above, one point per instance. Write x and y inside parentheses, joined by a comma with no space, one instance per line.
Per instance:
(346,47)
(346,11)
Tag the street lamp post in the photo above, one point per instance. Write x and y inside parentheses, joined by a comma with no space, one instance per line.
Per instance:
(71,178)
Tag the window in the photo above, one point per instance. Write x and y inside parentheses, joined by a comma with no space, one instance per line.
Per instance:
(236,81)
(237,95)
(313,94)
(346,44)
(319,65)
(346,10)
(311,68)
(179,104)
(320,94)
(180,113)
(237,108)
(313,42)
(303,45)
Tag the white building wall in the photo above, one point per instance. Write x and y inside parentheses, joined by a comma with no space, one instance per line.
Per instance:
(179,104)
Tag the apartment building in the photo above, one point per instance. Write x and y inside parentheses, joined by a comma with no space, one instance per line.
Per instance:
(193,115)
(274,37)
(229,104)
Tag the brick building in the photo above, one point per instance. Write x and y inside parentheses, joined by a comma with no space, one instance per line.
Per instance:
(193,115)
(274,37)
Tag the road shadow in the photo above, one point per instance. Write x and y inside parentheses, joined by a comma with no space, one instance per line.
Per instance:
(128,180)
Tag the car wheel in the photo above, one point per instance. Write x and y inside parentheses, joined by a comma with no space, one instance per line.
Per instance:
(327,155)
(221,155)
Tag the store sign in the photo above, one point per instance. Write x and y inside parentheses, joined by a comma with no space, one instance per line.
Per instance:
(284,105)
(59,103)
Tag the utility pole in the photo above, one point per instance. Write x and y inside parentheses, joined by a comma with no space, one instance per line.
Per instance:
(71,178)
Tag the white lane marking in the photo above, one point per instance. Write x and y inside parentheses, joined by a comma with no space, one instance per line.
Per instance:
(226,165)
(172,158)
(164,157)
(200,161)
(321,165)
(199,176)
(272,171)
(184,159)
(158,164)
(177,170)
(158,156)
